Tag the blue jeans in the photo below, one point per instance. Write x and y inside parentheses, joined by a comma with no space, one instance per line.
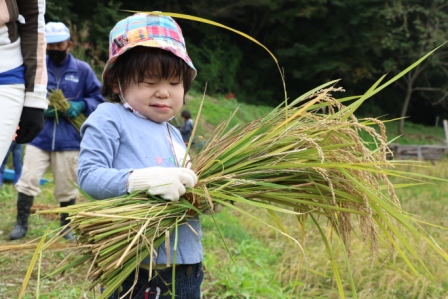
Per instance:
(188,284)
(16,150)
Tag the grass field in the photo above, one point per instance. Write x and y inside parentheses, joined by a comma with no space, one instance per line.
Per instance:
(265,264)
(216,109)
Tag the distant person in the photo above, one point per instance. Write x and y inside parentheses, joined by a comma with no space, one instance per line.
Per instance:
(16,150)
(57,146)
(187,128)
(23,75)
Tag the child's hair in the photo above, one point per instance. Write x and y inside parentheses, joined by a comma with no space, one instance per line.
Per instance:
(139,63)
(144,45)
(186,114)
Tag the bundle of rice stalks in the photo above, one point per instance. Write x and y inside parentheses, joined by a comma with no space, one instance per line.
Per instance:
(58,102)
(295,160)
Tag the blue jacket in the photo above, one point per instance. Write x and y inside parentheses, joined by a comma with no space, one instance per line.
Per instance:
(78,83)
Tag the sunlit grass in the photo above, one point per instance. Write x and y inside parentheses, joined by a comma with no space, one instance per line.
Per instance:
(15,264)
(386,278)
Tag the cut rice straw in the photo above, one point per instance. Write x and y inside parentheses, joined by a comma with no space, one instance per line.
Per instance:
(295,160)
(59,103)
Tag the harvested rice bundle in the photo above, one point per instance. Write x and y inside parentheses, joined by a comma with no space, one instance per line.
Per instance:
(295,160)
(59,103)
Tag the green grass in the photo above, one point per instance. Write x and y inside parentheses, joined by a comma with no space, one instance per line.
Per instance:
(269,260)
(414,134)
(260,263)
(217,109)
(14,264)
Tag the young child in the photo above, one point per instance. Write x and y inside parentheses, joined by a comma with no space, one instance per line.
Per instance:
(187,128)
(128,144)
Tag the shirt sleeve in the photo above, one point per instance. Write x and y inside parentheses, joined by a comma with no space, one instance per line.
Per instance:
(190,125)
(187,128)
(33,45)
(99,145)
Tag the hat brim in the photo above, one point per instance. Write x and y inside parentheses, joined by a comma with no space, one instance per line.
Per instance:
(152,44)
(57,38)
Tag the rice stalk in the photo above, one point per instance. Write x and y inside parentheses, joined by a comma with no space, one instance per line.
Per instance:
(295,160)
(59,103)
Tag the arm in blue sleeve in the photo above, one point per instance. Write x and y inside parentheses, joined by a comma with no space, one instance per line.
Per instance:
(187,128)
(99,145)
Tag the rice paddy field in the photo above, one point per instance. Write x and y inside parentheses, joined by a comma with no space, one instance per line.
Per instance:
(259,262)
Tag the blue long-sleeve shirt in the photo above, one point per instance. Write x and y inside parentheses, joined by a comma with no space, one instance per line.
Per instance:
(114,143)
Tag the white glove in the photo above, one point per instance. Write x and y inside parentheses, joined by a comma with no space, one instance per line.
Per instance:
(168,182)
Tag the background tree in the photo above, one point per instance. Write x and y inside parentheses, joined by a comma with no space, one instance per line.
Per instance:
(315,41)
(416,27)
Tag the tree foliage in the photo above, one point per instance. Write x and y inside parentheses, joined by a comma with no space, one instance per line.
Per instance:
(416,27)
(315,41)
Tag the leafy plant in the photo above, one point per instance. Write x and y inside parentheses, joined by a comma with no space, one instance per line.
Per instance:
(416,28)
(218,61)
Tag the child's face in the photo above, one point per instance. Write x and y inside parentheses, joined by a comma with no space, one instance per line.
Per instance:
(157,99)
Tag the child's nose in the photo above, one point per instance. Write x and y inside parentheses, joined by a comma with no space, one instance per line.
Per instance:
(162,93)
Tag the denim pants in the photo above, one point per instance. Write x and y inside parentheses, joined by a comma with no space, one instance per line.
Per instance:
(188,284)
(16,150)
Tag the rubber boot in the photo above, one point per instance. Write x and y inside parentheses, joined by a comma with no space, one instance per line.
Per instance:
(64,221)
(24,203)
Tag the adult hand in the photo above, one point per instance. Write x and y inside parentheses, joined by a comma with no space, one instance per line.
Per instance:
(50,112)
(31,123)
(168,182)
(76,107)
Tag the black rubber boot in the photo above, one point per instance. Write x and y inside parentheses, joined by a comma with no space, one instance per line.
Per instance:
(24,203)
(64,221)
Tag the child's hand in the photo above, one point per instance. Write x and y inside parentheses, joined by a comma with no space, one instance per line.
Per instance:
(168,182)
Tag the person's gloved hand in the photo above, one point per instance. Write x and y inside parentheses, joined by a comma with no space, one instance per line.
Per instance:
(50,112)
(76,107)
(168,182)
(31,123)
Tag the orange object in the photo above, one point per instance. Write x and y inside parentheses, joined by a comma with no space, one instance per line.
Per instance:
(229,96)
(15,135)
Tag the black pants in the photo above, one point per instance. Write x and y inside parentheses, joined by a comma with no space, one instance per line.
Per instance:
(188,280)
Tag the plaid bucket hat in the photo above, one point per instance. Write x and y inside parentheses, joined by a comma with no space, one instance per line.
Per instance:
(147,30)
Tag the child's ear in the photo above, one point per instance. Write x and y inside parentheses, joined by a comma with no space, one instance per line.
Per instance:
(115,88)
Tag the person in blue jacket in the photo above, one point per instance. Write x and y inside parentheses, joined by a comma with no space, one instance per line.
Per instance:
(58,144)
